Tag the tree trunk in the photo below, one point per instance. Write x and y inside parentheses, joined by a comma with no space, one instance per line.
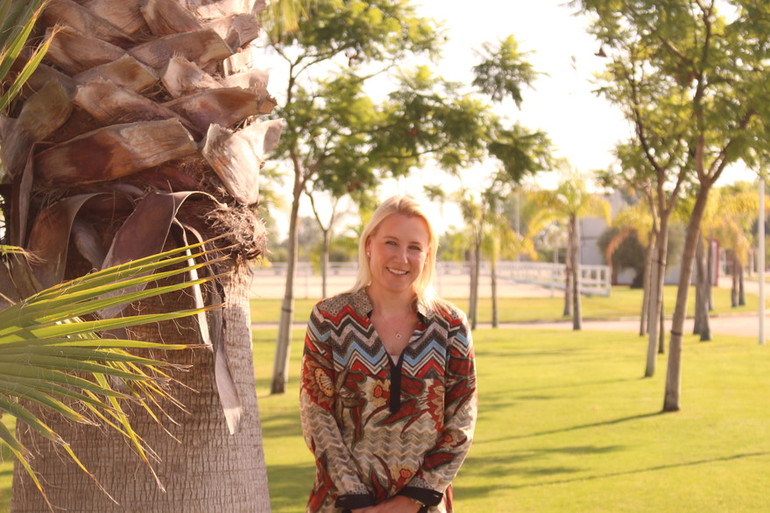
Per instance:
(493,285)
(132,126)
(475,276)
(325,263)
(734,281)
(662,331)
(283,344)
(646,280)
(674,370)
(656,297)
(568,275)
(741,286)
(577,319)
(701,326)
(203,467)
(710,276)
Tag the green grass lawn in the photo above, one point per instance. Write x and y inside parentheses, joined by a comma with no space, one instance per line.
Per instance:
(567,424)
(623,302)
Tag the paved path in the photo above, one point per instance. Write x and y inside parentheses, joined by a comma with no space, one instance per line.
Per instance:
(743,325)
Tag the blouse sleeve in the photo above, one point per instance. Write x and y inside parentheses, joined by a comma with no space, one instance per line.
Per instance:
(319,426)
(442,462)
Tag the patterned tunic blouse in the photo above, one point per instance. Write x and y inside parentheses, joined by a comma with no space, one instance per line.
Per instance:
(380,428)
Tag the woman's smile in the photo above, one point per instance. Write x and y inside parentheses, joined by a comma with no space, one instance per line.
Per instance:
(397,252)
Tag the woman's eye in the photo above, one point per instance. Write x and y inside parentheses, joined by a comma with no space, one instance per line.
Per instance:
(391,242)
(415,248)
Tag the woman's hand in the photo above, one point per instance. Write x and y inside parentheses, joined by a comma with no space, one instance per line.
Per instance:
(397,504)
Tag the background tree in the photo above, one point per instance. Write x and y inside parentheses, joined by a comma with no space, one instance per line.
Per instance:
(122,144)
(710,71)
(336,137)
(501,240)
(571,201)
(737,205)
(635,178)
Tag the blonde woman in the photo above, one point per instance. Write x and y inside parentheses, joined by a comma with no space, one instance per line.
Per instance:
(388,392)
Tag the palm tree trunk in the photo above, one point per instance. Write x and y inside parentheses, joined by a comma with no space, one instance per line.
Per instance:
(149,87)
(741,286)
(203,467)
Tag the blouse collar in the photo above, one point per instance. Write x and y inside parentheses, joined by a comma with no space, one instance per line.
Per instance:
(362,304)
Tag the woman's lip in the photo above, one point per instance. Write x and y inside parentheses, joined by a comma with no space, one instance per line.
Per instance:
(398,272)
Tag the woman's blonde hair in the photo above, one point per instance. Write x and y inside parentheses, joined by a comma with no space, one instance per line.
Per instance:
(405,205)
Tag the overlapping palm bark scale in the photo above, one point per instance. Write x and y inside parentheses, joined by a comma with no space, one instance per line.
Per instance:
(141,131)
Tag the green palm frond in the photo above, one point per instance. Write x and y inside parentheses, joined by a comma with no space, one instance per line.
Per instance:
(18,19)
(52,358)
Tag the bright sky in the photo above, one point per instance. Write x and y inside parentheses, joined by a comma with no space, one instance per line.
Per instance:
(582,126)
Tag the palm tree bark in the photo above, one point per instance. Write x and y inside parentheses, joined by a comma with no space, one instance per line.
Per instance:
(203,467)
(139,132)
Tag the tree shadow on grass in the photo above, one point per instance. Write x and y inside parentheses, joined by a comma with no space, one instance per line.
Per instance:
(486,490)
(280,425)
(590,425)
(518,462)
(581,384)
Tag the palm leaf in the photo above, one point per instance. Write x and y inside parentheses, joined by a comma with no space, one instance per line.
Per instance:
(52,357)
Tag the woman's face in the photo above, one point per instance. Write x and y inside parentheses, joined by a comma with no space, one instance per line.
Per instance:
(397,252)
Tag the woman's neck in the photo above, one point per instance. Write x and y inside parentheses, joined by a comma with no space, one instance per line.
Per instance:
(390,303)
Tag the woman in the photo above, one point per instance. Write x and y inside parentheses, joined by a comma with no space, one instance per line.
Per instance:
(388,393)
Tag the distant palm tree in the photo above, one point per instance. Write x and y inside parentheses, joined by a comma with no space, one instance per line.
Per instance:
(571,201)
(635,219)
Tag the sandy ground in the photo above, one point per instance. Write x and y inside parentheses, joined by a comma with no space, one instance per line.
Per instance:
(269,284)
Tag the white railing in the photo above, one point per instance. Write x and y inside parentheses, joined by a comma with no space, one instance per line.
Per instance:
(594,279)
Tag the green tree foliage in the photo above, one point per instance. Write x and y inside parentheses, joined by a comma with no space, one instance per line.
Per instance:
(691,76)
(337,139)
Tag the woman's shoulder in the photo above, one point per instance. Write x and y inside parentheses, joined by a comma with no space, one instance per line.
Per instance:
(447,310)
(333,305)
